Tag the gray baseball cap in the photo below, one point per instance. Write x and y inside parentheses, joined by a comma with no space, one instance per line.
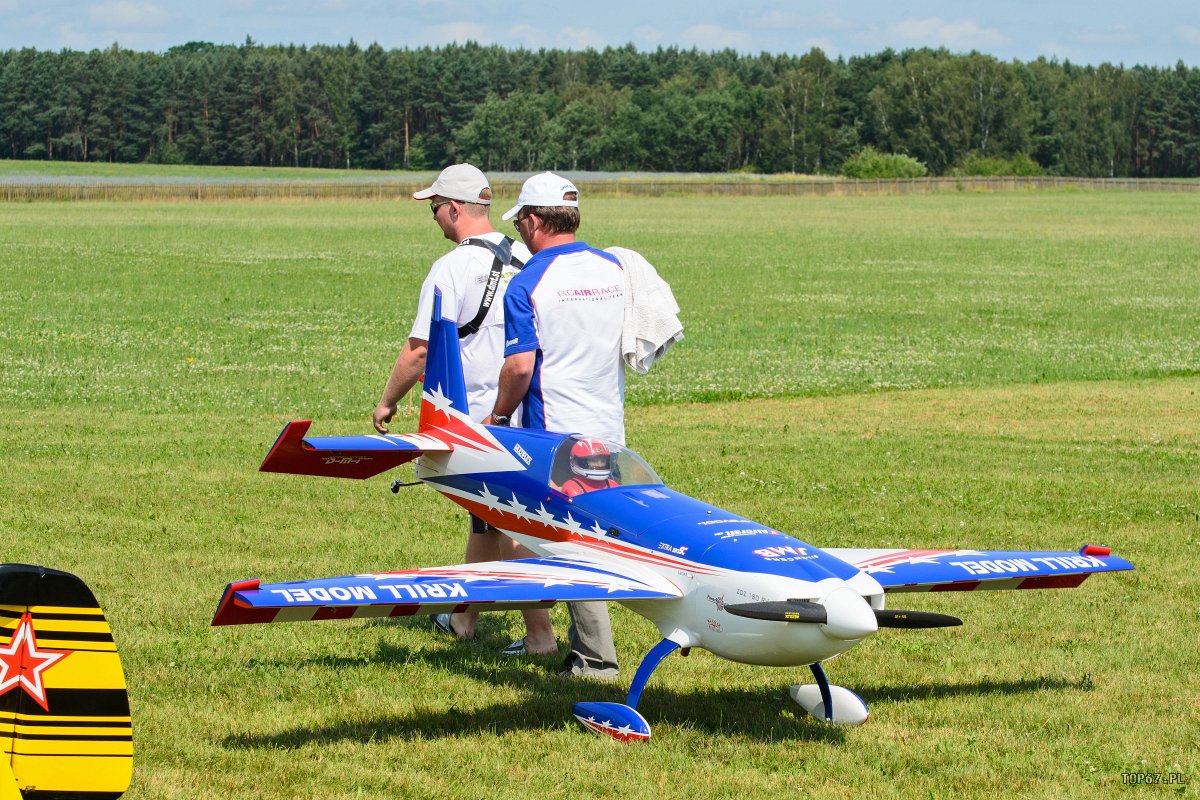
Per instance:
(461,182)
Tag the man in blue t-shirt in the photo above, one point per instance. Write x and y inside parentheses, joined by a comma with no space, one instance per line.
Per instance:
(563,316)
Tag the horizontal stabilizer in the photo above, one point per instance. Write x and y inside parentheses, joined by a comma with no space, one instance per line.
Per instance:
(486,586)
(970,570)
(345,456)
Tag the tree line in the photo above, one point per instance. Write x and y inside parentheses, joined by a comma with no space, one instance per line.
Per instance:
(618,109)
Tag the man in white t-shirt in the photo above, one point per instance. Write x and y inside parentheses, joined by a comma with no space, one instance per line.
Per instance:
(563,318)
(472,278)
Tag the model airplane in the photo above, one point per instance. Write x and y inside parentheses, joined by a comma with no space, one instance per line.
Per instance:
(706,577)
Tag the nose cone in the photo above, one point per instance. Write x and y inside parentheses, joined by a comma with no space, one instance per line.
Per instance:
(850,616)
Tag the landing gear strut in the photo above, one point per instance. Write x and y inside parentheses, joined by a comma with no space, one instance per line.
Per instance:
(835,705)
(622,721)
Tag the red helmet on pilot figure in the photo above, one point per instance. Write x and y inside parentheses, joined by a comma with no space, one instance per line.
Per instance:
(591,458)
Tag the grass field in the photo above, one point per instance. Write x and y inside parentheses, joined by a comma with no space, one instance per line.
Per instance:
(999,370)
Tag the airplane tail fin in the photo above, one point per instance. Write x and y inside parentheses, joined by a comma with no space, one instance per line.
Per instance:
(444,384)
(65,725)
(439,430)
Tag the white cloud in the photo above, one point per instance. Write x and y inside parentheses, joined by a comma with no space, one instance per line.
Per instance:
(959,34)
(72,38)
(774,19)
(577,39)
(645,35)
(714,37)
(458,32)
(1061,52)
(1188,33)
(827,46)
(566,38)
(126,14)
(779,19)
(1115,34)
(522,34)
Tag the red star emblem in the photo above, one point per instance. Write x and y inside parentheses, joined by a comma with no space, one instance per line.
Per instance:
(22,663)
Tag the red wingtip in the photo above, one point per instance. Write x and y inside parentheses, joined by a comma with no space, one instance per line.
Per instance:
(231,612)
(1095,550)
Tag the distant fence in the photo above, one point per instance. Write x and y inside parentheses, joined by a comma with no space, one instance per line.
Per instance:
(100,189)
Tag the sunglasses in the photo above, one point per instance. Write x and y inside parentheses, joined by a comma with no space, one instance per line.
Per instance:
(434,205)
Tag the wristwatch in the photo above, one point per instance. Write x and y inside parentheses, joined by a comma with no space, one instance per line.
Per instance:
(501,420)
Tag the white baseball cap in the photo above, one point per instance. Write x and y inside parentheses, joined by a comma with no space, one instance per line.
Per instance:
(461,182)
(544,189)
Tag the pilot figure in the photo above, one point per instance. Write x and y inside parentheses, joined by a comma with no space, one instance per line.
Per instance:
(591,461)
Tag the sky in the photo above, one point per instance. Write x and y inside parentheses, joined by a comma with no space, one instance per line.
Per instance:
(1150,32)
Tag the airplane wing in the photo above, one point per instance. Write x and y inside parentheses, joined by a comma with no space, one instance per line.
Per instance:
(345,456)
(486,586)
(969,570)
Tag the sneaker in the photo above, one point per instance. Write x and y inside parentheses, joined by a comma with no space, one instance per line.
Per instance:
(517,648)
(441,624)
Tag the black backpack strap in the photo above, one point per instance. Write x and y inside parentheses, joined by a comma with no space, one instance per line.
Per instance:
(502,256)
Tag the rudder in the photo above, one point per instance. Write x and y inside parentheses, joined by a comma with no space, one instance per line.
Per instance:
(65,725)
(443,382)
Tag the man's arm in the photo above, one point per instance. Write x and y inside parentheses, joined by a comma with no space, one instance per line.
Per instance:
(410,366)
(515,376)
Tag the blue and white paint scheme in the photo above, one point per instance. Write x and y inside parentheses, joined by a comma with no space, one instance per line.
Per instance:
(705,576)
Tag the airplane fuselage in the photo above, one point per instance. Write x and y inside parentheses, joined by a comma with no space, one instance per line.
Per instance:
(713,556)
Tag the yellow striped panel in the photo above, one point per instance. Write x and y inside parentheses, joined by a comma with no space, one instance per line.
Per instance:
(64,748)
(47,626)
(19,719)
(75,774)
(68,751)
(84,670)
(75,730)
(35,610)
(75,644)
(8,783)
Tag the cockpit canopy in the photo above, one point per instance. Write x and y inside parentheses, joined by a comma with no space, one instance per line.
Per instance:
(586,464)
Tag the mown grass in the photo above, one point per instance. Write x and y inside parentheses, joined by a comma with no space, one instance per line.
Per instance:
(294,308)
(1047,343)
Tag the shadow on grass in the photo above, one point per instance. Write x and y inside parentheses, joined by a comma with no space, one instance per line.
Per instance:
(752,714)
(975,689)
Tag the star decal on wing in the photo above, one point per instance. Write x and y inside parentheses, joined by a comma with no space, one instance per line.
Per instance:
(23,663)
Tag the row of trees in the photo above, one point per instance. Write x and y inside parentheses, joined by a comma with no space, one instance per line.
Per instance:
(616,109)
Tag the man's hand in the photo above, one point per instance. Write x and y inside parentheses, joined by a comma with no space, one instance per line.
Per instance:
(382,415)
(409,366)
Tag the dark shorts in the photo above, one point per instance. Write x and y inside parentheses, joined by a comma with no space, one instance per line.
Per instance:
(478,525)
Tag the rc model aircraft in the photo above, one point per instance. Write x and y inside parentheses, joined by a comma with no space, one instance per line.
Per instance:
(706,577)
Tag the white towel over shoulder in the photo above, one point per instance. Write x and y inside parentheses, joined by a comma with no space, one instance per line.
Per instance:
(652,323)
